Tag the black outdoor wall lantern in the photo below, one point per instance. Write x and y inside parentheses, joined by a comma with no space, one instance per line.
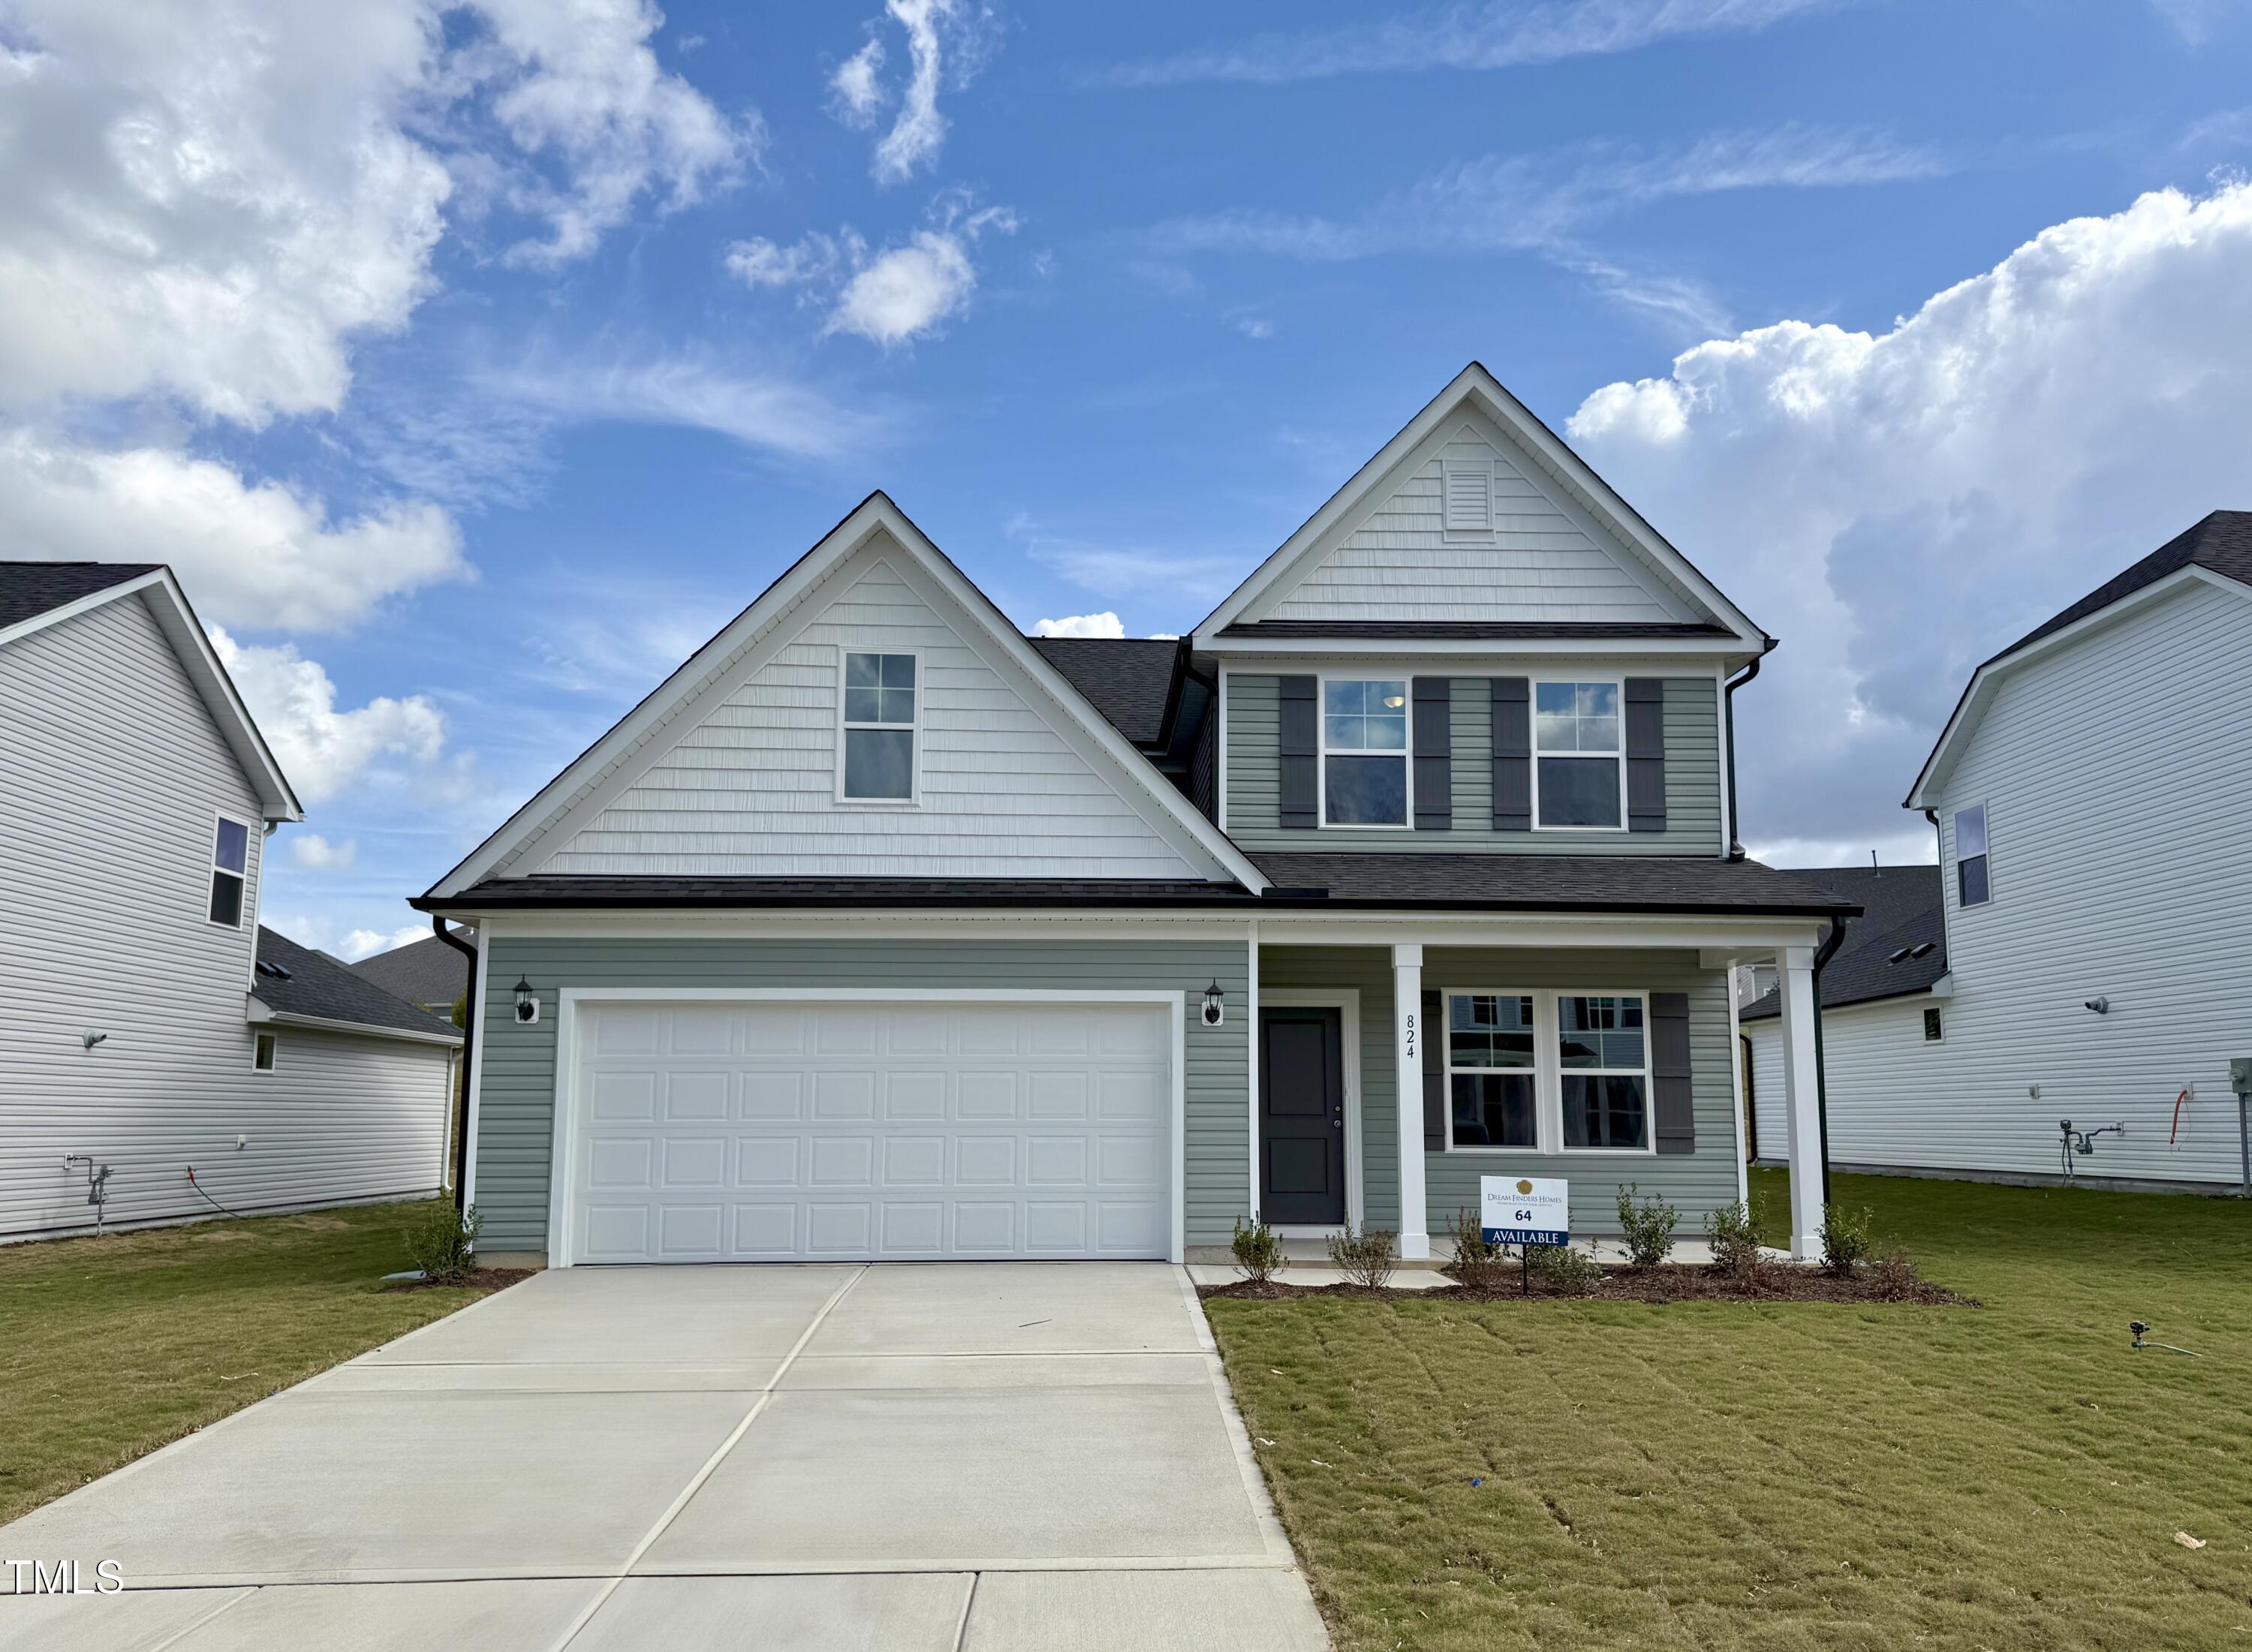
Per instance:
(527,1002)
(1215,1005)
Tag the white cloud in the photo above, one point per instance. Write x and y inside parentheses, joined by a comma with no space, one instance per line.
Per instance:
(948,42)
(1492,36)
(695,390)
(1102,624)
(1896,506)
(1165,636)
(320,748)
(890,296)
(316,853)
(263,557)
(366,943)
(1122,572)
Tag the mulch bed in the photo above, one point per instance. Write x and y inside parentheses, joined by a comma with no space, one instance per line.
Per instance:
(1669,1282)
(483,1279)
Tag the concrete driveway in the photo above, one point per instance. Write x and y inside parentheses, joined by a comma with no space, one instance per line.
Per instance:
(976,1458)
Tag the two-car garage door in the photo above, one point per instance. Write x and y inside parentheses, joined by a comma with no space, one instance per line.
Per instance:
(770,1130)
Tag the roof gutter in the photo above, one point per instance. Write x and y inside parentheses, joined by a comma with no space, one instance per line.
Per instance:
(1728,695)
(453,939)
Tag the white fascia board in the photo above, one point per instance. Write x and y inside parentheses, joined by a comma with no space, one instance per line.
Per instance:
(1932,779)
(1474,386)
(1693,656)
(258,1012)
(875,514)
(168,606)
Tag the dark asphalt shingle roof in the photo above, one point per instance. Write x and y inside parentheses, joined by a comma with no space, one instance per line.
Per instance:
(420,972)
(1900,911)
(2223,542)
(1129,680)
(318,985)
(1621,882)
(29,589)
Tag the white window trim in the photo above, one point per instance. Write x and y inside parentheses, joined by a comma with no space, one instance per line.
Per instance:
(273,1040)
(1406,753)
(1532,715)
(248,915)
(1955,852)
(1548,1072)
(913,798)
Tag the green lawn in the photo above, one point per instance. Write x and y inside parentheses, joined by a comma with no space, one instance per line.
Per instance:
(110,1347)
(1789,1476)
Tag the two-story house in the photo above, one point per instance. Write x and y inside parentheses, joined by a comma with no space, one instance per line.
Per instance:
(162,1055)
(2086,951)
(879,930)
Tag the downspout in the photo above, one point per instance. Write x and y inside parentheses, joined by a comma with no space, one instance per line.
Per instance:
(1822,955)
(1729,697)
(453,939)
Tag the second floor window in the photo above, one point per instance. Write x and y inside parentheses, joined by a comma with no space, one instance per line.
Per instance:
(230,871)
(1580,768)
(1365,752)
(1971,886)
(879,727)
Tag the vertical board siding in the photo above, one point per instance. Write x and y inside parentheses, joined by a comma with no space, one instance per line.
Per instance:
(111,771)
(750,789)
(2115,774)
(1873,1055)
(1697,1183)
(1537,562)
(1693,779)
(516,1110)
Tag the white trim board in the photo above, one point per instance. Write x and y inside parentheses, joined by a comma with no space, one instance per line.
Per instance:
(608,765)
(563,1129)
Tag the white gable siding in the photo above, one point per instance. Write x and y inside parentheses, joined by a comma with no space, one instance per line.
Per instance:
(750,788)
(111,772)
(1543,559)
(1887,1085)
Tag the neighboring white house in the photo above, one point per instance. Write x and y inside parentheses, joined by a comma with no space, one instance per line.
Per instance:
(147,1026)
(2092,793)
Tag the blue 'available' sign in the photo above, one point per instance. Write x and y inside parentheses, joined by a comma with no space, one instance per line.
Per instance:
(1525,1209)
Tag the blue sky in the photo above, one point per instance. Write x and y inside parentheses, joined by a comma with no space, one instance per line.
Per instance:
(472,368)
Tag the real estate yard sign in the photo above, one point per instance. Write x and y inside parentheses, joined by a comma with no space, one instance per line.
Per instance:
(1525,1209)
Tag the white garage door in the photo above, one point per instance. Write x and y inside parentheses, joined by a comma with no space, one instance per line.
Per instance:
(740,1132)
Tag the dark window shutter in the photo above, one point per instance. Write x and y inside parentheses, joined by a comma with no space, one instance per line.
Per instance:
(1512,754)
(1435,1075)
(1299,808)
(1646,754)
(1434,741)
(1671,1100)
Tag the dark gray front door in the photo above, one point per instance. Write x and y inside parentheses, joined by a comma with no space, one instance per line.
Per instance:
(1301,1117)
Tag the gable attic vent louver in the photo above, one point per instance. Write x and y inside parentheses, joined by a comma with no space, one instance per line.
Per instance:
(1468,485)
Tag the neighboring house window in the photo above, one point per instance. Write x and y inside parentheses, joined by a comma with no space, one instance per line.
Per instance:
(261,1052)
(1580,775)
(1604,1060)
(1491,1084)
(1970,885)
(879,727)
(1363,753)
(1932,1031)
(230,871)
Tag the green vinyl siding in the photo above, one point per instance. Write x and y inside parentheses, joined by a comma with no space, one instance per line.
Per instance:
(1693,781)
(1696,1183)
(516,1106)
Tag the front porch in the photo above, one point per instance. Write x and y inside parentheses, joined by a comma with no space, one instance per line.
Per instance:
(1389,1076)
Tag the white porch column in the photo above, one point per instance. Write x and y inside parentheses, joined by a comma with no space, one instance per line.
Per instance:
(1408,1034)
(1800,1098)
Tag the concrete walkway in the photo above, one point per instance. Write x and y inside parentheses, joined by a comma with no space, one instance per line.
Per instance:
(915,1458)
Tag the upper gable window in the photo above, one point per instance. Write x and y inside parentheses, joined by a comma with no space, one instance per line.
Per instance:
(1581,775)
(880,728)
(1363,752)
(1971,885)
(1468,485)
(230,871)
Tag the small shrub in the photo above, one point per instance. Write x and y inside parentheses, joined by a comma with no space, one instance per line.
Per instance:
(1733,1233)
(1562,1271)
(1258,1253)
(1368,1257)
(443,1242)
(1477,1260)
(1647,1225)
(1892,1276)
(1847,1236)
